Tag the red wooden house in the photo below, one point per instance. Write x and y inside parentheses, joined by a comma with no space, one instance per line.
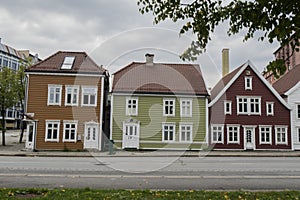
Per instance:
(246,113)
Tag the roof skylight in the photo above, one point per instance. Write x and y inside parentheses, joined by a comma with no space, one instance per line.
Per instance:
(68,62)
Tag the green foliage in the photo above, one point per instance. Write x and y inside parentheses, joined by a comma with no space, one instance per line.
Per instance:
(272,20)
(277,67)
(87,193)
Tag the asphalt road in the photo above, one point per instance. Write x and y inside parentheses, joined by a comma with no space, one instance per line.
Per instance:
(212,173)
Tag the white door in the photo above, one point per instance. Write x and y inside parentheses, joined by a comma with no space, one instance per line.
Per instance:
(130,135)
(91,137)
(30,136)
(249,138)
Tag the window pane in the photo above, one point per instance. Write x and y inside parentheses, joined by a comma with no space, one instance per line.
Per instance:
(92,99)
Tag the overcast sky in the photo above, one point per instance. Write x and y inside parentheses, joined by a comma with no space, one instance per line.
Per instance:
(114,34)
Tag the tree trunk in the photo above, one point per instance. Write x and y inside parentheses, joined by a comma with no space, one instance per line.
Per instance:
(22,132)
(3,126)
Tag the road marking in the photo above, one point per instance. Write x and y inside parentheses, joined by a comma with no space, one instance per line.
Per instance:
(152,176)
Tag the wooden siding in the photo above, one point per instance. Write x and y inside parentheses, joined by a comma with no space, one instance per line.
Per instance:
(259,89)
(37,104)
(150,116)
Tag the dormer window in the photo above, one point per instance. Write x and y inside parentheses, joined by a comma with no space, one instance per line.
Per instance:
(68,62)
(248,83)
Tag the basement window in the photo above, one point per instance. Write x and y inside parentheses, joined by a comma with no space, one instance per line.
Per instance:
(68,62)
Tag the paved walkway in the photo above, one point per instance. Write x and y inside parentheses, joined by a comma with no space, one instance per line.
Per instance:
(14,148)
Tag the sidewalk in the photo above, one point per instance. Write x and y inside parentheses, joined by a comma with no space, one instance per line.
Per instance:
(14,148)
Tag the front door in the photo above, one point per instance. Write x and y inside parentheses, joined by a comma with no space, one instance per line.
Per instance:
(249,138)
(131,135)
(30,136)
(91,137)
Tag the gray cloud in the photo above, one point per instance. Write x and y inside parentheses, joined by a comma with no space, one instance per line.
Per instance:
(114,33)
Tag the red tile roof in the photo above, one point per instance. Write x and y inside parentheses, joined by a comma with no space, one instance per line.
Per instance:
(82,64)
(289,80)
(160,78)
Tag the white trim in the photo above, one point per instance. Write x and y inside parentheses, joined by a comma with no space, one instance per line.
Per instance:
(72,95)
(186,124)
(248,105)
(286,135)
(250,82)
(248,63)
(267,108)
(270,134)
(238,133)
(64,74)
(225,107)
(83,87)
(190,114)
(174,107)
(207,119)
(54,121)
(159,95)
(55,86)
(100,135)
(174,132)
(160,142)
(76,130)
(212,133)
(129,112)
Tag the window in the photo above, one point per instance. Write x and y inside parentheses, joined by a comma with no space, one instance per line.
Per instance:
(168,132)
(233,134)
(248,83)
(270,108)
(52,130)
(68,62)
(131,106)
(54,95)
(89,96)
(265,134)
(227,107)
(298,134)
(186,108)
(298,111)
(217,134)
(130,129)
(5,62)
(185,132)
(70,131)
(72,93)
(169,107)
(249,105)
(281,134)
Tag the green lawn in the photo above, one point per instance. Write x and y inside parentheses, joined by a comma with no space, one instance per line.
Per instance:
(87,193)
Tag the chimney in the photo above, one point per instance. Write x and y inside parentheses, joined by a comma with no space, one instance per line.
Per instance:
(149,59)
(225,62)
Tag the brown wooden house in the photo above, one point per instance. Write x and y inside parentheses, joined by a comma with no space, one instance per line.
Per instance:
(66,95)
(246,113)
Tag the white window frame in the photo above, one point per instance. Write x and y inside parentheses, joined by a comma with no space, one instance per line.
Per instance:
(52,130)
(72,122)
(229,103)
(218,131)
(265,132)
(131,111)
(272,108)
(246,100)
(165,103)
(233,132)
(183,126)
(56,102)
(163,132)
(84,92)
(248,78)
(298,111)
(285,128)
(298,134)
(186,106)
(73,95)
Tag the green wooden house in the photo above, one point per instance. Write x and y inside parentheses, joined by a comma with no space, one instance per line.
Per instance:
(159,106)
